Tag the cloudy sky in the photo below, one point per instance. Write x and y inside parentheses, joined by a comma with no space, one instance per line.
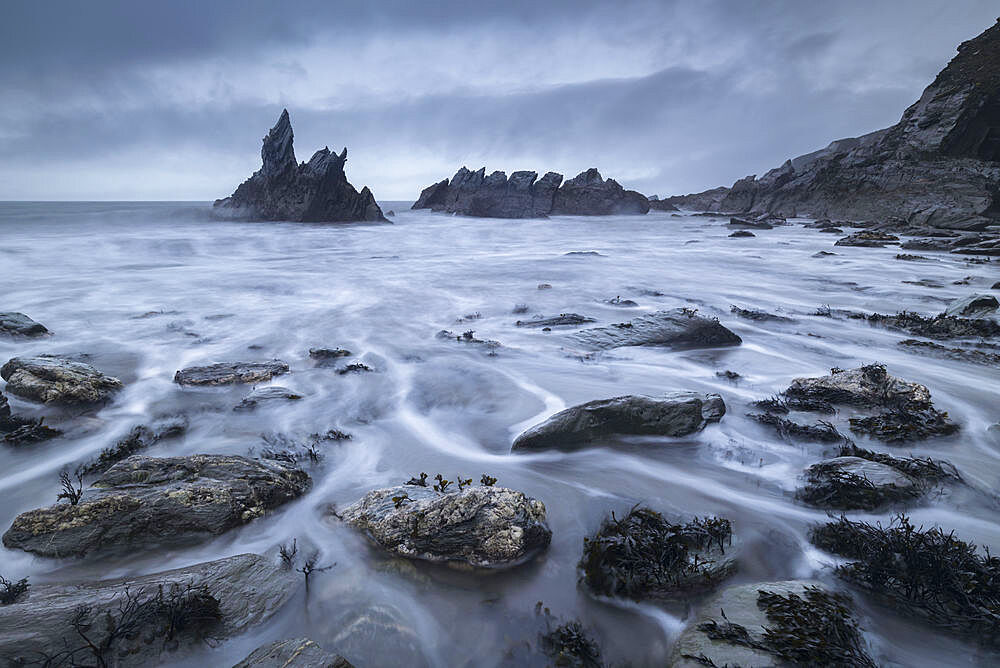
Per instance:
(169,100)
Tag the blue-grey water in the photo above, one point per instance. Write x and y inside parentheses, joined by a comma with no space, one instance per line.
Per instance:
(148,288)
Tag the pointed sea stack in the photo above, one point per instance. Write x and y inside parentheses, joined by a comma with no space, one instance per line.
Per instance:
(315,192)
(939,166)
(524,195)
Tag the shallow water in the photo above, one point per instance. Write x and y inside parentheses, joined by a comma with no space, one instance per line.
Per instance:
(149,288)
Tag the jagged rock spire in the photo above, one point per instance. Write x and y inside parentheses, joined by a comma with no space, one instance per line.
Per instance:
(277,152)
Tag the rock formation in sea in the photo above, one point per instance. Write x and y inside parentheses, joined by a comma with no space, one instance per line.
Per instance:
(315,192)
(939,166)
(524,195)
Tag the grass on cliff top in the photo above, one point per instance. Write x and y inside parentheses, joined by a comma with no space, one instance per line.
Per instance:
(928,574)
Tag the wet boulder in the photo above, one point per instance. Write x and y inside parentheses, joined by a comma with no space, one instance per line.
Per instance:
(266,395)
(19,325)
(940,326)
(906,409)
(868,239)
(482,527)
(794,623)
(50,379)
(853,483)
(644,556)
(742,233)
(231,373)
(153,614)
(678,328)
(142,502)
(561,320)
(675,415)
(293,653)
(974,306)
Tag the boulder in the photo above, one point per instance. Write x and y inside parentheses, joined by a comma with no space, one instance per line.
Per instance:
(742,233)
(974,306)
(231,373)
(294,653)
(18,324)
(266,395)
(524,195)
(315,191)
(675,415)
(235,594)
(50,379)
(678,328)
(481,527)
(867,239)
(144,501)
(764,624)
(936,168)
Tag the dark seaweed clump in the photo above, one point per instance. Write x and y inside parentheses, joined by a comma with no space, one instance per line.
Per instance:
(782,405)
(902,424)
(642,555)
(829,486)
(16,430)
(11,591)
(816,629)
(569,645)
(921,468)
(822,431)
(140,438)
(938,327)
(927,574)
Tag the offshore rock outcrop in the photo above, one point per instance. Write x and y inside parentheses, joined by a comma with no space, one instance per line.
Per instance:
(524,195)
(314,192)
(938,167)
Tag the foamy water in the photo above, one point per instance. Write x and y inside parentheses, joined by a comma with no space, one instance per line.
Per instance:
(209,291)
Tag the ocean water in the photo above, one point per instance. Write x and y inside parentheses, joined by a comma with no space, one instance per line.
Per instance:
(145,289)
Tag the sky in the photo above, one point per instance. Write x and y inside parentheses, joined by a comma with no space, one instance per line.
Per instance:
(136,100)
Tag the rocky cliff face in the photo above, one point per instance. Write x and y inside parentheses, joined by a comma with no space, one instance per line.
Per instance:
(315,191)
(524,195)
(939,166)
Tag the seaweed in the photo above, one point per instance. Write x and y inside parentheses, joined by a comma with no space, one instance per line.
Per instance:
(442,484)
(71,492)
(487,481)
(463,483)
(311,565)
(140,438)
(12,591)
(756,314)
(828,486)
(928,574)
(569,645)
(822,431)
(925,468)
(422,481)
(937,327)
(398,501)
(287,552)
(137,616)
(643,555)
(356,367)
(815,629)
(904,423)
(773,404)
(728,375)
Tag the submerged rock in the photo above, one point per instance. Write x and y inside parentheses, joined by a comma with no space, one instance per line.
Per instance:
(265,395)
(483,527)
(314,191)
(50,379)
(794,623)
(522,196)
(675,415)
(853,483)
(935,327)
(231,373)
(643,556)
(742,233)
(18,324)
(963,354)
(294,653)
(170,610)
(678,328)
(561,320)
(757,314)
(868,239)
(144,501)
(974,306)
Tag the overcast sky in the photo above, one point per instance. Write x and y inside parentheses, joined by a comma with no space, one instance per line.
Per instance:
(169,100)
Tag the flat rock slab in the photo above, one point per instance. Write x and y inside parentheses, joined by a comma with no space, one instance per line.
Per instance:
(145,501)
(740,606)
(293,653)
(249,589)
(49,379)
(677,328)
(677,414)
(18,324)
(482,527)
(231,373)
(266,395)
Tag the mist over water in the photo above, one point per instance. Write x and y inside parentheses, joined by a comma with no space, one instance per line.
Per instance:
(145,289)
